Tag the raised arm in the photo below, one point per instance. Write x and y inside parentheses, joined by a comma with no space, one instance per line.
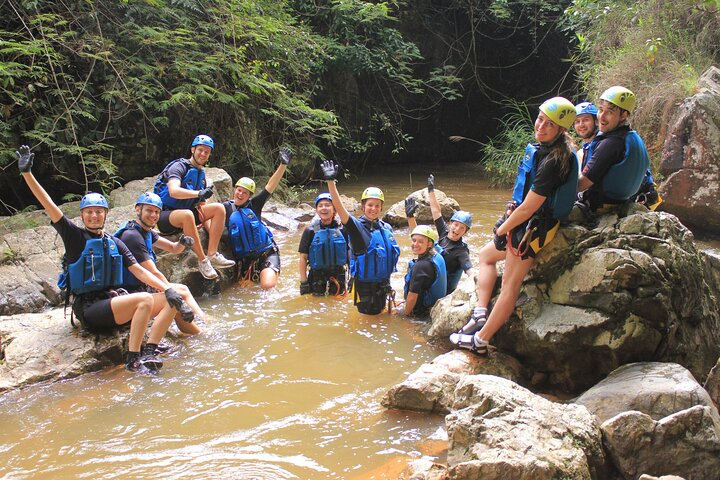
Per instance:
(284,158)
(25,163)
(330,170)
(410,207)
(434,204)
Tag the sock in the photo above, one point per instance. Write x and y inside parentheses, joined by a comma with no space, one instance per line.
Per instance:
(479,312)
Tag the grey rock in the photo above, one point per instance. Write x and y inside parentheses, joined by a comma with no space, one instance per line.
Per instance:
(425,469)
(395,215)
(712,383)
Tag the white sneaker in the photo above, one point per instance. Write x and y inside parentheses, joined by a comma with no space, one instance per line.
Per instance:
(219,261)
(206,269)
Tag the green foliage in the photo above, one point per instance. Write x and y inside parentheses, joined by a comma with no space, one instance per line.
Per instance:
(503,153)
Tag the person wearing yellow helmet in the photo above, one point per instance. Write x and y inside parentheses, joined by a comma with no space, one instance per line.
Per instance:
(374,251)
(616,163)
(183,190)
(251,240)
(426,277)
(544,193)
(455,251)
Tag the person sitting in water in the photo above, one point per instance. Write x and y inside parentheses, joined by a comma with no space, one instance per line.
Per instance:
(544,192)
(426,278)
(616,163)
(140,238)
(252,241)
(454,251)
(323,252)
(375,252)
(93,274)
(183,190)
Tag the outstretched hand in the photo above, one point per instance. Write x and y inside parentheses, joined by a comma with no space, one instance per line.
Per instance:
(206,193)
(25,158)
(285,155)
(329,169)
(410,207)
(431,183)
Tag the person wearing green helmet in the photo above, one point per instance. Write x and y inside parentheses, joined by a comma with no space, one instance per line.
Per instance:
(141,239)
(544,193)
(426,278)
(184,191)
(98,301)
(455,251)
(616,163)
(251,240)
(323,252)
(374,251)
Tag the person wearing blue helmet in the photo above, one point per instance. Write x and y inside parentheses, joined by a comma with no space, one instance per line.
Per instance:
(142,240)
(323,252)
(93,273)
(586,126)
(454,250)
(183,189)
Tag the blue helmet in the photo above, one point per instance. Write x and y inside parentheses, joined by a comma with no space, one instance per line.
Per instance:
(93,199)
(150,198)
(463,217)
(323,196)
(203,140)
(586,108)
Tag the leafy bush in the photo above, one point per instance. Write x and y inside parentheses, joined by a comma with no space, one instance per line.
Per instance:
(503,153)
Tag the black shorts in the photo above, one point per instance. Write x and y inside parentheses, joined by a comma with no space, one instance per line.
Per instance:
(371,298)
(167,228)
(270,258)
(94,313)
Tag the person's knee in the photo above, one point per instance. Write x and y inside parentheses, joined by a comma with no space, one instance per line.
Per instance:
(144,300)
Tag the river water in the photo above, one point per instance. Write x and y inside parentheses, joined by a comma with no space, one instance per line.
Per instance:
(277,387)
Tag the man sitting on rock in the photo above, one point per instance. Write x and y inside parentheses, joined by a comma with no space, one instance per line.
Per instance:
(141,239)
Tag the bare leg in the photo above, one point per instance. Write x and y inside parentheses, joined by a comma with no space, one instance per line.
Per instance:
(161,324)
(487,272)
(214,214)
(268,278)
(185,220)
(135,308)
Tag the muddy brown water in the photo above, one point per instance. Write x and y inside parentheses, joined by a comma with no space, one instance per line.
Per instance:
(278,386)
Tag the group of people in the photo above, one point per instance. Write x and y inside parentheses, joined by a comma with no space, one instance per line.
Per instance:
(114,280)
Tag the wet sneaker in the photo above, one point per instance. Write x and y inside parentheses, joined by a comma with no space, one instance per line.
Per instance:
(477,321)
(151,362)
(207,270)
(218,260)
(470,342)
(159,349)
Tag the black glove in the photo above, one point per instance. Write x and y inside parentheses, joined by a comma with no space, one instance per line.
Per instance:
(187,313)
(187,241)
(410,207)
(174,299)
(500,241)
(304,287)
(329,169)
(25,158)
(205,193)
(431,183)
(285,155)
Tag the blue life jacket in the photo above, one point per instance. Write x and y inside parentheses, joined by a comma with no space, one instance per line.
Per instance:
(380,258)
(248,235)
(559,204)
(129,279)
(99,267)
(328,248)
(194,179)
(623,180)
(438,289)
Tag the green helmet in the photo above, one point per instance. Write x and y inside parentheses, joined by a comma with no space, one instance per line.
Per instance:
(560,110)
(246,183)
(373,192)
(620,96)
(425,231)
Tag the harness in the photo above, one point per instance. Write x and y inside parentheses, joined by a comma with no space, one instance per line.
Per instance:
(438,289)
(380,258)
(129,279)
(194,179)
(249,236)
(623,179)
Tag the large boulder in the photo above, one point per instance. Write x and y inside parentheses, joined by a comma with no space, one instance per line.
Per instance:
(395,215)
(655,389)
(712,384)
(690,159)
(499,429)
(634,288)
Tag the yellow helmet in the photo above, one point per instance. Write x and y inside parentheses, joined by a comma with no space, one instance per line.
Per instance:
(425,231)
(247,183)
(620,96)
(560,110)
(373,192)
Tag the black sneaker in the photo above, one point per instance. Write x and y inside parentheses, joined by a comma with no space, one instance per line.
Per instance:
(151,362)
(157,349)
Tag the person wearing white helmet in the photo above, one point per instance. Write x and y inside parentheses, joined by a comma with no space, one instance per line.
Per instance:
(616,163)
(454,250)
(374,250)
(93,274)
(323,252)
(426,278)
(183,190)
(544,192)
(586,126)
(141,239)
(251,240)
